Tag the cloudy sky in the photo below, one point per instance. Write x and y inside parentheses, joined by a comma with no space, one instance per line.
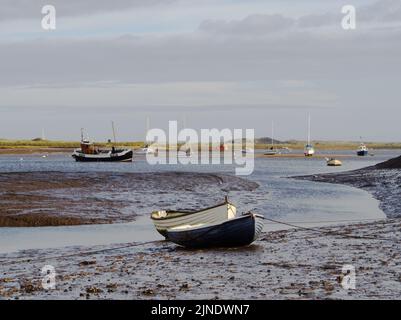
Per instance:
(215,63)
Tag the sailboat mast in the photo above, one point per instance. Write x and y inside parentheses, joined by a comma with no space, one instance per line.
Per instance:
(114,132)
(309,136)
(147,128)
(272,134)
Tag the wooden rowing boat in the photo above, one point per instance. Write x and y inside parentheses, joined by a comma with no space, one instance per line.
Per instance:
(164,220)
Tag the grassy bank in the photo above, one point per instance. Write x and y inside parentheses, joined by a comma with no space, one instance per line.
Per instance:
(293,144)
(43,144)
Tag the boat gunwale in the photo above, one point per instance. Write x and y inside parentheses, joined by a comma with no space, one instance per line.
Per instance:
(187,212)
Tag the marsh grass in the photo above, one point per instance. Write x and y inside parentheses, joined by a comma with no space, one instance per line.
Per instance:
(293,144)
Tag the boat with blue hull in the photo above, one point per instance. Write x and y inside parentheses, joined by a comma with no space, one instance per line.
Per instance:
(236,232)
(362,150)
(167,219)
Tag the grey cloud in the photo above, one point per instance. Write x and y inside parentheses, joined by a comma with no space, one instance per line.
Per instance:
(264,24)
(253,24)
(25,9)
(383,11)
(200,57)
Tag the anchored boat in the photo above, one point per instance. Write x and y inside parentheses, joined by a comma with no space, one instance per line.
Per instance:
(309,151)
(332,162)
(164,220)
(236,232)
(362,150)
(272,151)
(90,153)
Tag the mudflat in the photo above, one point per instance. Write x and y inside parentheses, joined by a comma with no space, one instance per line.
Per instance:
(58,198)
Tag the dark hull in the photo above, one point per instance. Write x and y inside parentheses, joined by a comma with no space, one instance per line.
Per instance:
(112,158)
(232,233)
(362,153)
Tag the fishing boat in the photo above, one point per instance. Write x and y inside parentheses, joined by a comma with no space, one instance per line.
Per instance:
(90,153)
(362,150)
(309,150)
(332,162)
(166,219)
(272,151)
(236,232)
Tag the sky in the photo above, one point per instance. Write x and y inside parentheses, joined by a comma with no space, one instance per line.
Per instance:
(207,64)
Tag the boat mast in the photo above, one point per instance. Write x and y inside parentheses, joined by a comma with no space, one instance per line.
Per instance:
(309,136)
(272,134)
(147,128)
(114,132)
(82,134)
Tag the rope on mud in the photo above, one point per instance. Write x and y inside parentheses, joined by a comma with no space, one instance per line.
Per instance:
(330,233)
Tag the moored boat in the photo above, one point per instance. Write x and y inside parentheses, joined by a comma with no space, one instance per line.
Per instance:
(309,150)
(272,151)
(362,150)
(146,149)
(90,153)
(114,155)
(236,232)
(332,162)
(166,219)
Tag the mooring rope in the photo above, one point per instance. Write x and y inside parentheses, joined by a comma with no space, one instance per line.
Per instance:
(330,233)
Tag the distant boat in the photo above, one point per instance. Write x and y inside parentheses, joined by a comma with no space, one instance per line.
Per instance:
(163,220)
(332,162)
(223,147)
(362,150)
(236,232)
(146,150)
(309,150)
(185,153)
(90,153)
(272,151)
(248,151)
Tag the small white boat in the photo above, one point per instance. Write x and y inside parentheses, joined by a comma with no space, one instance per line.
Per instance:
(146,150)
(309,150)
(248,151)
(272,151)
(166,219)
(185,153)
(332,162)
